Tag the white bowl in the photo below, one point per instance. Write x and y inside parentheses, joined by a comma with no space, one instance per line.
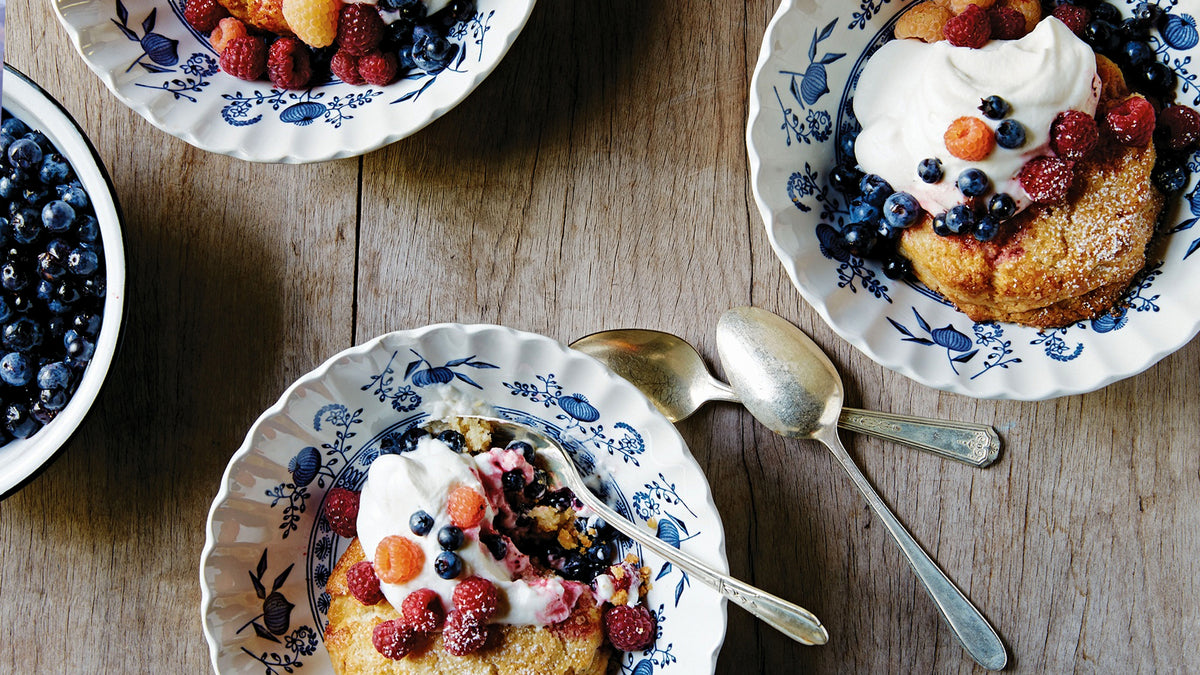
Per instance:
(180,90)
(266,517)
(793,138)
(21,458)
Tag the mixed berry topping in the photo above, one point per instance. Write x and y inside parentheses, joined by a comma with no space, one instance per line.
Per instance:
(52,280)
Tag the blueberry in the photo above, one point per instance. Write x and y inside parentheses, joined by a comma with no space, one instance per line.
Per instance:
(939,225)
(404,58)
(83,262)
(44,290)
(973,182)
(1001,206)
(601,552)
(420,523)
(11,277)
(522,447)
(79,350)
(41,139)
(845,178)
(536,489)
(58,216)
(67,292)
(74,195)
(901,209)
(930,170)
(432,53)
(22,334)
(408,441)
(94,286)
(859,238)
(54,169)
(863,212)
(87,323)
(25,154)
(846,142)
(17,421)
(1169,177)
(9,188)
(1137,53)
(1104,11)
(874,189)
(14,127)
(1132,30)
(453,439)
(1144,11)
(1157,79)
(35,196)
(994,107)
(26,226)
(1102,36)
(495,545)
(887,233)
(88,229)
(41,414)
(986,228)
(6,310)
(448,565)
(53,399)
(58,249)
(54,375)
(897,267)
(450,538)
(16,369)
(1010,134)
(412,10)
(513,481)
(960,219)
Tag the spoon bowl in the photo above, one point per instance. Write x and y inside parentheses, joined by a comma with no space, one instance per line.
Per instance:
(790,619)
(671,373)
(793,388)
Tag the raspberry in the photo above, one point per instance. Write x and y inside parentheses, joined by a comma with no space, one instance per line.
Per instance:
(394,639)
(422,610)
(204,15)
(630,628)
(341,509)
(378,68)
(227,29)
(344,67)
(1131,121)
(363,583)
(1073,133)
(1074,16)
(969,29)
(1178,127)
(461,637)
(465,505)
(245,57)
(1046,179)
(359,28)
(476,599)
(398,559)
(315,22)
(969,138)
(1006,23)
(288,63)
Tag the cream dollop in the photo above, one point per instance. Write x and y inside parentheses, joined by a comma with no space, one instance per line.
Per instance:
(421,480)
(909,92)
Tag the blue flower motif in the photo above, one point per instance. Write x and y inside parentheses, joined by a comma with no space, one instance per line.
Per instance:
(302,641)
(820,124)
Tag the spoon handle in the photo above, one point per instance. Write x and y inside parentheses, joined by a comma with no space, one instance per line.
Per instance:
(967,442)
(790,619)
(972,630)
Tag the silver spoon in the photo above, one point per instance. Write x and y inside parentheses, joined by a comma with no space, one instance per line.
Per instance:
(794,390)
(791,620)
(670,372)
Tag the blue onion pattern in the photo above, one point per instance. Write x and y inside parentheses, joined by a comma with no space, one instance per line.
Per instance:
(1180,31)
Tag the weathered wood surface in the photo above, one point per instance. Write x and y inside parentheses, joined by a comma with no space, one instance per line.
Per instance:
(597,179)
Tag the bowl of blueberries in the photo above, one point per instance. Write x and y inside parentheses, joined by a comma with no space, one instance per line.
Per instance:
(62,278)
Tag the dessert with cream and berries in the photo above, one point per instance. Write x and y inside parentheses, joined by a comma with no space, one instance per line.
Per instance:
(468,558)
(299,43)
(1013,156)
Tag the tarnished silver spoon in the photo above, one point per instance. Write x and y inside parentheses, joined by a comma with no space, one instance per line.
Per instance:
(795,391)
(790,619)
(671,373)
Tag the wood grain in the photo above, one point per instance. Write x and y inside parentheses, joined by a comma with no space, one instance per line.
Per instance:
(597,179)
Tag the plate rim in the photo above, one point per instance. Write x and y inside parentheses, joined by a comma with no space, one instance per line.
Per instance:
(244,449)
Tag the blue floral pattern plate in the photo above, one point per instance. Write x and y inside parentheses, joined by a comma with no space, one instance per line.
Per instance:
(269,551)
(800,121)
(167,72)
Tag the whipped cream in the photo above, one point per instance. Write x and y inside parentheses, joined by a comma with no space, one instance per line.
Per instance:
(421,480)
(910,91)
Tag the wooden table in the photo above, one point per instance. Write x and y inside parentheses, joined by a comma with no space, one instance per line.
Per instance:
(597,179)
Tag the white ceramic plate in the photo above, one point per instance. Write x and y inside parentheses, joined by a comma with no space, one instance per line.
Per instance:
(800,111)
(167,72)
(21,458)
(265,525)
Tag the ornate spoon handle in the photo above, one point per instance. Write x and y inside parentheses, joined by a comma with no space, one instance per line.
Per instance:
(967,442)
